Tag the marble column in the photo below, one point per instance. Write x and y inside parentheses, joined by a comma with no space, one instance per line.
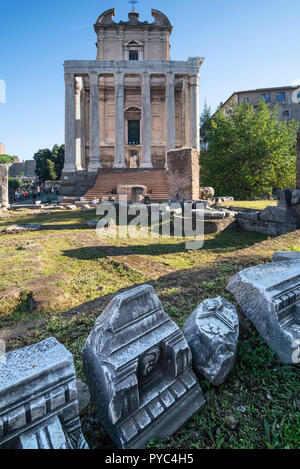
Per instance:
(194,113)
(186,112)
(94,124)
(78,136)
(119,122)
(69,166)
(146,122)
(170,112)
(83,125)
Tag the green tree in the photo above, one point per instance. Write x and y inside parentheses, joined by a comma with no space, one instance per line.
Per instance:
(51,170)
(13,184)
(205,125)
(58,157)
(250,152)
(41,158)
(6,159)
(50,163)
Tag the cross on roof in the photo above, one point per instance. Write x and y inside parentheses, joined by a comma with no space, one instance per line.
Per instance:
(133,3)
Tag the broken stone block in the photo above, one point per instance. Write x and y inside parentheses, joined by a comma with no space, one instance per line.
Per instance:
(38,399)
(279,215)
(92,223)
(269,295)
(13,229)
(248,215)
(138,367)
(206,193)
(280,256)
(212,333)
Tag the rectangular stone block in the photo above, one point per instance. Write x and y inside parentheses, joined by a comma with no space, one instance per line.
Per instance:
(36,409)
(269,296)
(183,174)
(138,367)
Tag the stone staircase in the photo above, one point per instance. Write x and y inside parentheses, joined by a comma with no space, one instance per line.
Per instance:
(108,179)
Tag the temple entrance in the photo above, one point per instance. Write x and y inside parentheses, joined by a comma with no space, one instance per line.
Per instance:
(134,132)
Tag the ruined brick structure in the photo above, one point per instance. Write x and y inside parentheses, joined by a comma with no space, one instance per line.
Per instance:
(183,174)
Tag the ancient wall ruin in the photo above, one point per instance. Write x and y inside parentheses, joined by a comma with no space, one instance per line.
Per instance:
(183,174)
(4,185)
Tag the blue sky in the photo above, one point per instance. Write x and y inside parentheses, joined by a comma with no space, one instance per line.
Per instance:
(246,44)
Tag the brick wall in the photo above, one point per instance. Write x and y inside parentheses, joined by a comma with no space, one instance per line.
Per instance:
(183,174)
(298,162)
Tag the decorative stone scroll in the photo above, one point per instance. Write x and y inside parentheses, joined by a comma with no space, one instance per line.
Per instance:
(38,399)
(269,295)
(212,333)
(138,366)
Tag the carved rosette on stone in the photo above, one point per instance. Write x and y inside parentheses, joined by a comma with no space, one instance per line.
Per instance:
(138,366)
(38,399)
(212,333)
(269,295)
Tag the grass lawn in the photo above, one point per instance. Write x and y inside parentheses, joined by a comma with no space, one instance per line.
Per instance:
(57,281)
(253,204)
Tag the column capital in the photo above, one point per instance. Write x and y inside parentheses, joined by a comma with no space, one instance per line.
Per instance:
(69,79)
(78,85)
(94,79)
(145,78)
(119,78)
(194,80)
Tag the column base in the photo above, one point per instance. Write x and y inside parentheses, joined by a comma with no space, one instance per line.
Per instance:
(69,170)
(93,168)
(146,166)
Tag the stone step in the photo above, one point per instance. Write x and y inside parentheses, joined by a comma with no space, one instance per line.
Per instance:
(108,180)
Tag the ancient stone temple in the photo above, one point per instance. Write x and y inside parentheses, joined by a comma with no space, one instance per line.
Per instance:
(128,108)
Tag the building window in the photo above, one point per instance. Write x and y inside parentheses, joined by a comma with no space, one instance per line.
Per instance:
(287,114)
(246,100)
(133,55)
(280,97)
(134,132)
(266,97)
(298,95)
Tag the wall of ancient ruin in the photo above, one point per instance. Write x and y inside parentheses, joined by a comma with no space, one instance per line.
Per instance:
(183,173)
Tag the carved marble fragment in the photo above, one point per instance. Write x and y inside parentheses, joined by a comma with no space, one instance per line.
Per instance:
(138,367)
(212,333)
(269,295)
(38,399)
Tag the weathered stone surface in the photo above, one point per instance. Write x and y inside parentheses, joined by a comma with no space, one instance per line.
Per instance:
(212,333)
(249,216)
(266,227)
(213,215)
(183,173)
(269,295)
(280,256)
(206,193)
(83,395)
(38,399)
(138,367)
(278,215)
(4,168)
(22,228)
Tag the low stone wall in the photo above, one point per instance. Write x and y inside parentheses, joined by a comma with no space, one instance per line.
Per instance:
(77,184)
(183,174)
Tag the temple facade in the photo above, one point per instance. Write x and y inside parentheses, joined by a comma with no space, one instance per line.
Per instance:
(129,107)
